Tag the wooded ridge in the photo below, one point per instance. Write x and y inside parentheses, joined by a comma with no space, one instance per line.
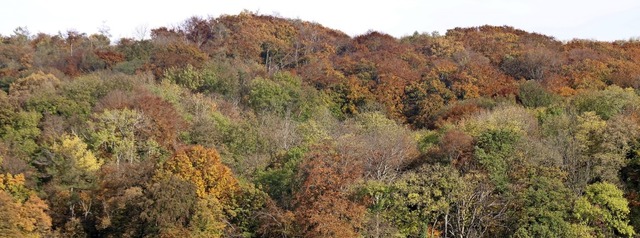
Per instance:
(258,126)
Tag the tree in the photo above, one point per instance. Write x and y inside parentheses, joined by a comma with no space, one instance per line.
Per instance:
(605,210)
(156,121)
(456,148)
(323,204)
(23,88)
(137,55)
(208,220)
(379,144)
(604,146)
(542,204)
(80,53)
(421,201)
(114,132)
(476,210)
(123,202)
(73,165)
(24,213)
(279,179)
(216,188)
(511,118)
(532,95)
(283,95)
(16,57)
(175,54)
(606,103)
(21,133)
(162,123)
(423,101)
(534,64)
(169,207)
(203,168)
(494,151)
(110,58)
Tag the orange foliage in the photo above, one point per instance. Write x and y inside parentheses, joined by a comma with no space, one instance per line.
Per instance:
(457,148)
(110,57)
(23,213)
(457,112)
(176,54)
(162,122)
(203,168)
(15,59)
(324,208)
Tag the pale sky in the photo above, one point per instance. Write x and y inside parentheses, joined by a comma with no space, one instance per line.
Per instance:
(563,19)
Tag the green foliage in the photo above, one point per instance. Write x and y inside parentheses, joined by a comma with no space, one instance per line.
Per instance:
(604,208)
(608,102)
(374,121)
(135,50)
(49,102)
(420,198)
(378,195)
(427,140)
(279,179)
(129,67)
(250,202)
(171,201)
(281,94)
(84,91)
(115,133)
(72,164)
(313,132)
(21,132)
(212,78)
(188,77)
(494,151)
(208,218)
(548,119)
(285,95)
(604,146)
(544,206)
(89,88)
(220,78)
(532,95)
(242,138)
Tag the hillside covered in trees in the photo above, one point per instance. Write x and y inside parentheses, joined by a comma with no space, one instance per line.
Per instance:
(257,126)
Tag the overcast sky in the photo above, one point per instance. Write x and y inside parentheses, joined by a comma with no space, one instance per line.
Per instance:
(563,19)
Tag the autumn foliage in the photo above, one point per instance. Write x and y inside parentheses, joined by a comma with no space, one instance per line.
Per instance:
(254,125)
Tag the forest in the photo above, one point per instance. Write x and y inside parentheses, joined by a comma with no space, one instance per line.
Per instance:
(252,125)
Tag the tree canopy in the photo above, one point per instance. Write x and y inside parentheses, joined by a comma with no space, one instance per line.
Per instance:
(253,125)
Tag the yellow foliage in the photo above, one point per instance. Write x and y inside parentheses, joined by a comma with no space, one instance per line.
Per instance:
(203,168)
(215,187)
(35,81)
(208,221)
(432,232)
(23,214)
(8,180)
(510,118)
(566,91)
(72,147)
(14,185)
(590,125)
